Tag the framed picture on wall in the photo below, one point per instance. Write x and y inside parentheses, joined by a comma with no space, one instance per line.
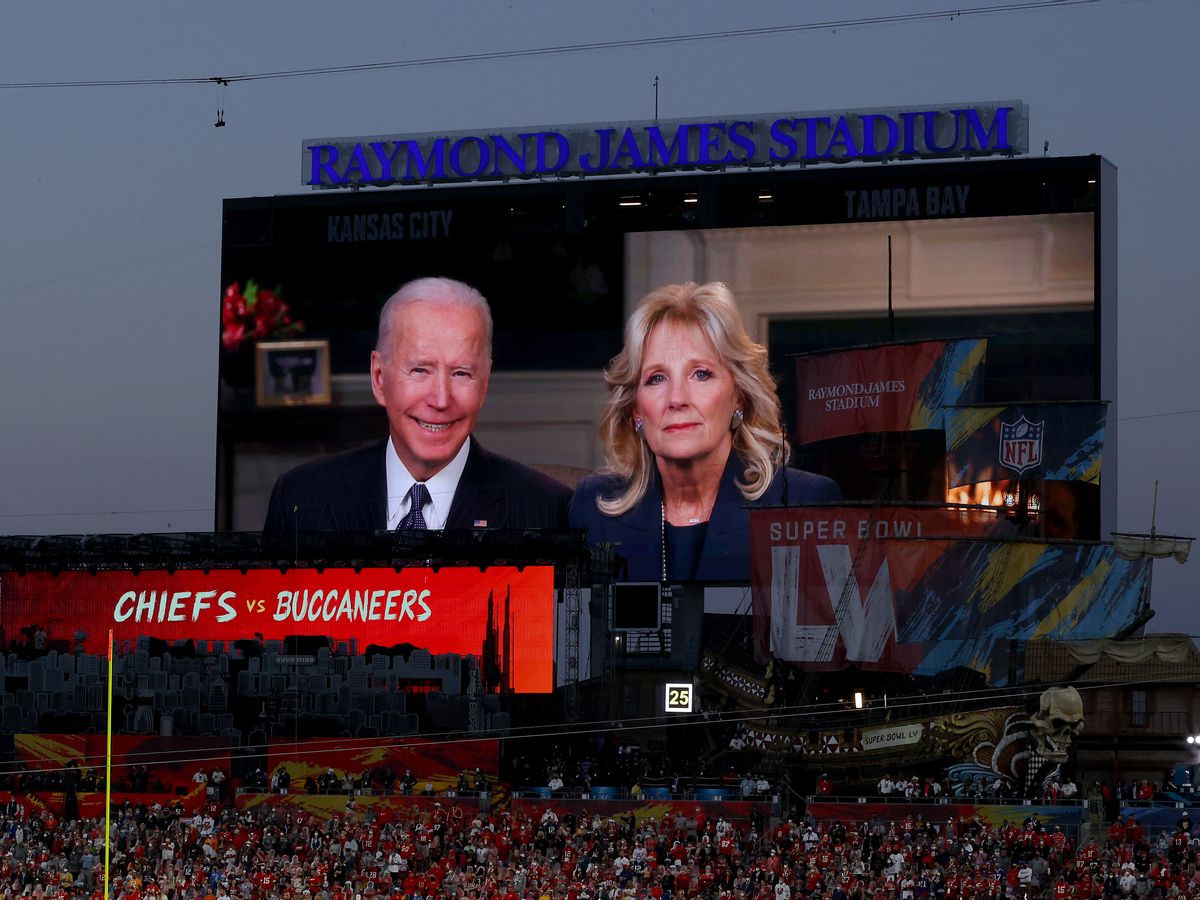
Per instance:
(291,373)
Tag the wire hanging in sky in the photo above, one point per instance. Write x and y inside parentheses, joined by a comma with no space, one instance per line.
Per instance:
(558,49)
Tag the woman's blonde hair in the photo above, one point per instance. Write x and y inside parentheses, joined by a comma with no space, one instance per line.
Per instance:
(758,441)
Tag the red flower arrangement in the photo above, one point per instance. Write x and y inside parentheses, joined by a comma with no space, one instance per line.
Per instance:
(254,314)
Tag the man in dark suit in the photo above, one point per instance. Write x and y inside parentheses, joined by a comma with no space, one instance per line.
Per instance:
(430,371)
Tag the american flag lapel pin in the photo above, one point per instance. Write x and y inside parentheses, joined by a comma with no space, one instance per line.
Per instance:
(481,523)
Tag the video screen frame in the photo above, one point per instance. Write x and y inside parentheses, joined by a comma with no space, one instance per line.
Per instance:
(531,407)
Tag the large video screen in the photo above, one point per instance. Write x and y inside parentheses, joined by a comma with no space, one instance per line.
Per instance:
(818,260)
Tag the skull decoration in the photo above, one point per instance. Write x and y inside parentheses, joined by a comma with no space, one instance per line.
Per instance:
(1057,722)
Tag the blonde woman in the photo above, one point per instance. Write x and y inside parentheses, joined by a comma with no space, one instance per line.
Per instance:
(692,437)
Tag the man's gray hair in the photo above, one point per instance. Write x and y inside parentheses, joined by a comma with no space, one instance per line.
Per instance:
(445,291)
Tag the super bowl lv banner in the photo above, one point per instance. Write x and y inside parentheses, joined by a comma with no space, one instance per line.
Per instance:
(824,584)
(503,615)
(892,387)
(1052,441)
(924,590)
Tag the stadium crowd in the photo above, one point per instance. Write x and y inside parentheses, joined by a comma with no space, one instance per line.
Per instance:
(269,851)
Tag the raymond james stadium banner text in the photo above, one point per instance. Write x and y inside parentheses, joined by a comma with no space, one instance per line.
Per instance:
(1052,441)
(930,590)
(956,129)
(502,612)
(892,387)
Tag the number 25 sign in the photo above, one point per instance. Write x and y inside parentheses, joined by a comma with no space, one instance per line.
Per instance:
(679,697)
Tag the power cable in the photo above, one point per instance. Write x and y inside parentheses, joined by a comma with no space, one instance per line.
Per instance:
(538,732)
(560,49)
(1161,415)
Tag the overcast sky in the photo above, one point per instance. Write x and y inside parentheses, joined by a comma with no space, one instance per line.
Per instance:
(111,224)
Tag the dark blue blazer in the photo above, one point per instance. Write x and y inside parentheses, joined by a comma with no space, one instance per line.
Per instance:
(348,492)
(725,556)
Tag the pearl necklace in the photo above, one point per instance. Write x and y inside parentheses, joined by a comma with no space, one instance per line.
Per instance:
(662,538)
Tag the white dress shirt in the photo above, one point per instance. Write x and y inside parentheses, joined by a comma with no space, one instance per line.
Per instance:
(441,488)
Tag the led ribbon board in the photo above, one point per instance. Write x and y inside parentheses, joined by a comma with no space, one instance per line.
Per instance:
(501,612)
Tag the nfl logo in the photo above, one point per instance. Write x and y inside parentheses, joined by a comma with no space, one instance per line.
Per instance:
(1021,445)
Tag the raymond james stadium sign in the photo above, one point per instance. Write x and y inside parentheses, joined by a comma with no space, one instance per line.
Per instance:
(963,129)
